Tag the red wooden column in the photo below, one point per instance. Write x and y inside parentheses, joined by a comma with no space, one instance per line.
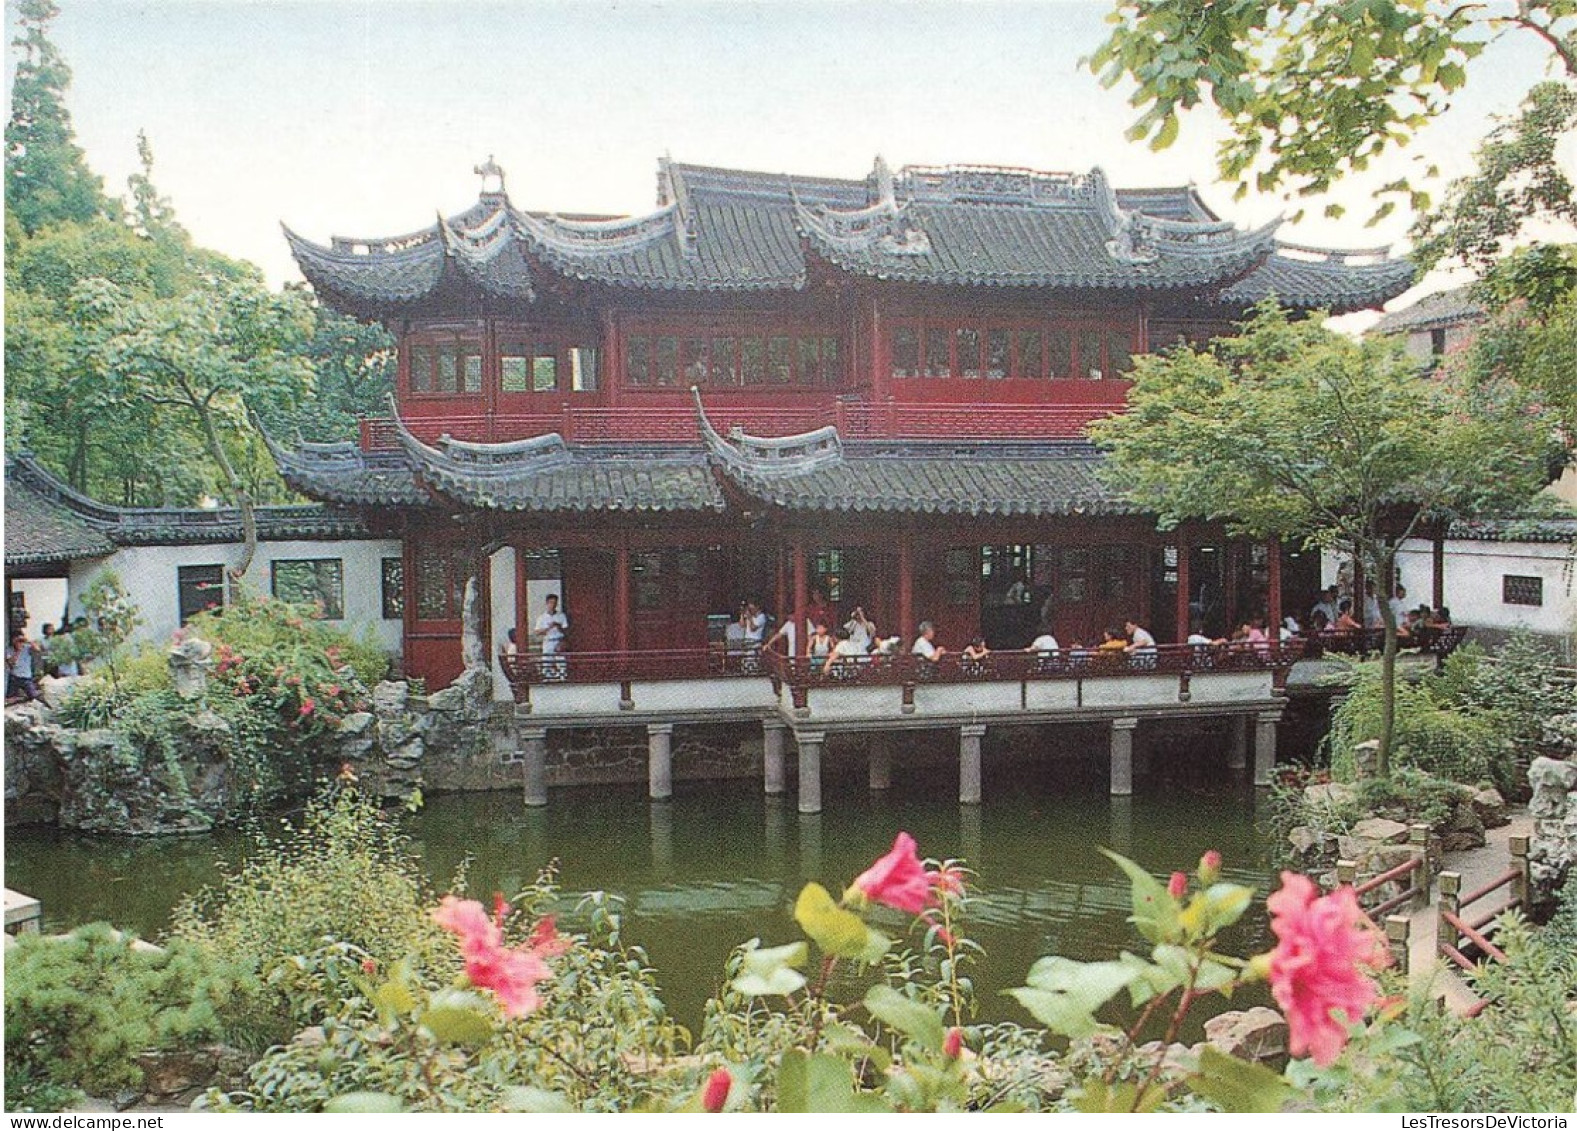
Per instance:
(1437,598)
(1229,582)
(1273,587)
(621,599)
(801,600)
(1184,587)
(782,605)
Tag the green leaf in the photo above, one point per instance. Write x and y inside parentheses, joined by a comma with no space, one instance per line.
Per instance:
(1224,904)
(1167,134)
(1154,910)
(821,1084)
(769,971)
(918,1022)
(1097,1098)
(835,930)
(363,1103)
(1089,984)
(459,1017)
(1057,1012)
(538,1101)
(1236,1085)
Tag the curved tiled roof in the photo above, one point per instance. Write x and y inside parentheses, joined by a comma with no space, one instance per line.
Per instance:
(722,230)
(46,521)
(1456,307)
(1313,279)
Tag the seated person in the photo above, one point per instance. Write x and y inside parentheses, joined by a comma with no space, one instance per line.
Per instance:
(1318,623)
(1140,640)
(1112,641)
(844,652)
(511,644)
(1045,642)
(1198,637)
(976,649)
(925,645)
(1440,620)
(888,646)
(1345,621)
(752,624)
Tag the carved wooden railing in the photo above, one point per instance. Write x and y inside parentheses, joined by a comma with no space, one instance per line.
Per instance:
(1462,929)
(1437,642)
(676,424)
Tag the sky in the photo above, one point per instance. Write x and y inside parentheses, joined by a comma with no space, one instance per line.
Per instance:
(366,117)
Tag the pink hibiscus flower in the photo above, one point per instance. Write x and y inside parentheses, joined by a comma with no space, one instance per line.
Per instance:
(1317,966)
(899,879)
(511,973)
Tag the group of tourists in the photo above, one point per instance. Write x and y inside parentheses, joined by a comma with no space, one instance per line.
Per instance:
(27,660)
(1333,612)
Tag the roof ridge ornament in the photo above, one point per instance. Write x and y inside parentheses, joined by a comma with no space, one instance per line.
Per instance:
(768,456)
(490,169)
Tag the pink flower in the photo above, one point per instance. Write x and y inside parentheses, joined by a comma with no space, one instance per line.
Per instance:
(717,1088)
(1210,867)
(369,966)
(953,1043)
(899,879)
(308,706)
(546,940)
(1177,886)
(511,974)
(1315,969)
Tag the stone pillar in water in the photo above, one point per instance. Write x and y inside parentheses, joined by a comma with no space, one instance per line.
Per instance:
(969,763)
(659,761)
(1265,747)
(810,743)
(773,771)
(879,759)
(662,829)
(1237,742)
(534,760)
(1122,756)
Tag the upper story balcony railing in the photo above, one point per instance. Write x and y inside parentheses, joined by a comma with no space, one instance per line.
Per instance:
(855,418)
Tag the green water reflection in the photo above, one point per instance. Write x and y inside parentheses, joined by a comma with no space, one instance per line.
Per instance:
(721,863)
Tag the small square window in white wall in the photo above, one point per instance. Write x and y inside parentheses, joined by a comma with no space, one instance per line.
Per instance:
(312,581)
(1517,590)
(199,587)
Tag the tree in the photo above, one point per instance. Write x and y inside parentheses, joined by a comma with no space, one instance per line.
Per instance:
(1288,430)
(47,179)
(202,355)
(1313,89)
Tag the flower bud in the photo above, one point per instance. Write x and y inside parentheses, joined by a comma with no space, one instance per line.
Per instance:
(369,966)
(953,1043)
(1210,867)
(1258,968)
(1177,887)
(717,1088)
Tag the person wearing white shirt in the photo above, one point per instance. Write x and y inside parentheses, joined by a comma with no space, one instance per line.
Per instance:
(1398,605)
(862,633)
(1045,642)
(551,628)
(925,645)
(1140,642)
(844,652)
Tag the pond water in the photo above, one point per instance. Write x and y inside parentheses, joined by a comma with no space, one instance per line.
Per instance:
(720,863)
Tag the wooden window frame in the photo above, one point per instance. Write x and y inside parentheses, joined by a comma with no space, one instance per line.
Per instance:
(705,334)
(926,328)
(464,341)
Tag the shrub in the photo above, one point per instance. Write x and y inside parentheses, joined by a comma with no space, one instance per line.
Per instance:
(79,1010)
(307,908)
(1431,735)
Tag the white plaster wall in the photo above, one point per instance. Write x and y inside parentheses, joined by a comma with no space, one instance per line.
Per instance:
(501,589)
(1473,582)
(150,577)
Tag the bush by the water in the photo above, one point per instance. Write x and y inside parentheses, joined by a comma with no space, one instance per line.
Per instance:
(79,1010)
(280,681)
(308,907)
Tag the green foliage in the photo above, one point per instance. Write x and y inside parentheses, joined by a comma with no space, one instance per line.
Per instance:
(1431,735)
(1310,90)
(47,180)
(600,1041)
(310,905)
(1518,181)
(80,1009)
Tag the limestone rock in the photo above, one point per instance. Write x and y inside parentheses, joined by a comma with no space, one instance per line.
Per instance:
(355,724)
(1548,773)
(189,663)
(1463,829)
(390,698)
(1251,1034)
(1365,757)
(1330,794)
(1491,808)
(1380,830)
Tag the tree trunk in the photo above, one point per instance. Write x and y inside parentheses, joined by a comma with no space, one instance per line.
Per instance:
(1385,563)
(243,499)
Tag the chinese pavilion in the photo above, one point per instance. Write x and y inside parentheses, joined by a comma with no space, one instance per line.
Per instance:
(772,384)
